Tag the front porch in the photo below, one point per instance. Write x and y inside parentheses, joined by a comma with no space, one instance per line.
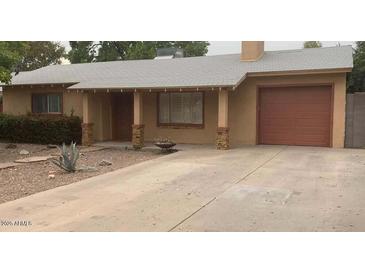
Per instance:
(150,146)
(198,116)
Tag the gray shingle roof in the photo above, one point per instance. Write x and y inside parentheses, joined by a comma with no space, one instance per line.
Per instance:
(219,70)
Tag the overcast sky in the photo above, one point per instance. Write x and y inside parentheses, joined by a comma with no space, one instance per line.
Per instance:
(226,47)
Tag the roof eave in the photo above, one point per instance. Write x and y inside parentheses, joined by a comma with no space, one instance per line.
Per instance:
(150,87)
(37,84)
(299,72)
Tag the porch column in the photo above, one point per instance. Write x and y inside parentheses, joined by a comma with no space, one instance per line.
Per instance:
(87,125)
(222,141)
(138,126)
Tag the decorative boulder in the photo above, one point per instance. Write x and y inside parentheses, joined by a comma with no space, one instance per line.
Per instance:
(50,146)
(105,163)
(24,152)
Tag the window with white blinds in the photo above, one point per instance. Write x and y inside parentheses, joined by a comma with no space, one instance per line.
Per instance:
(181,108)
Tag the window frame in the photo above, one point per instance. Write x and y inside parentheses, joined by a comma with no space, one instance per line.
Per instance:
(47,94)
(181,125)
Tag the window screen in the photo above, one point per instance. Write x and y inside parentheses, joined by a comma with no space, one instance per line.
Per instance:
(181,108)
(46,103)
(54,103)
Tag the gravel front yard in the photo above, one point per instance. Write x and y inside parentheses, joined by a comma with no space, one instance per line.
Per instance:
(30,178)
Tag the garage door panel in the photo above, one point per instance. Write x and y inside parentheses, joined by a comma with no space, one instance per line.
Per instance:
(311,141)
(295,115)
(276,121)
(311,136)
(273,128)
(300,109)
(277,140)
(309,109)
(310,122)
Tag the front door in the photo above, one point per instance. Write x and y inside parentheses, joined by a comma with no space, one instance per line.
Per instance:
(122,116)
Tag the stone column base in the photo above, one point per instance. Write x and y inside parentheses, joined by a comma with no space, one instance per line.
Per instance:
(87,134)
(222,141)
(138,136)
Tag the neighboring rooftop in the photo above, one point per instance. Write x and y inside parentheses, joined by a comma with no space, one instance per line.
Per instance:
(169,53)
(219,70)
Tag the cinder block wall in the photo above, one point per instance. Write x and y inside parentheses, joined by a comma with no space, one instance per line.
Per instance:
(355,120)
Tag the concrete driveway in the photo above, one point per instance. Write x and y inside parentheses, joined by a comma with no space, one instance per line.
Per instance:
(251,188)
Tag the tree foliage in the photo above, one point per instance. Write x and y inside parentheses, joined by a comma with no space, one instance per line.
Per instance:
(130,50)
(25,56)
(114,50)
(10,55)
(39,54)
(82,52)
(193,48)
(312,44)
(356,79)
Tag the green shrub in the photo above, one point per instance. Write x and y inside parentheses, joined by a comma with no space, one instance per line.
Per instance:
(40,129)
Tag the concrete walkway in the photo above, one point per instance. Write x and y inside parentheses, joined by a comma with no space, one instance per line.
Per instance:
(253,188)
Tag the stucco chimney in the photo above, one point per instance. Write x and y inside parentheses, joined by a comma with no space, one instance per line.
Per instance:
(252,50)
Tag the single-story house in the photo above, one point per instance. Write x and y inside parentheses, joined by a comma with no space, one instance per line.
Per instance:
(293,97)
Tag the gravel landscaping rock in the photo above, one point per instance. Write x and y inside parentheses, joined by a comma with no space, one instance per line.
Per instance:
(34,159)
(29,178)
(51,146)
(8,165)
(10,146)
(24,152)
(105,163)
(91,149)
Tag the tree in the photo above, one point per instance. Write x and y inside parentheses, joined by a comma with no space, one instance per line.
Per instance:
(39,54)
(129,50)
(82,52)
(10,55)
(114,50)
(356,79)
(193,48)
(312,44)
(24,56)
(141,50)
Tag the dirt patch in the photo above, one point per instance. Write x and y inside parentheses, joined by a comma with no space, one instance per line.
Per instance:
(30,178)
(12,154)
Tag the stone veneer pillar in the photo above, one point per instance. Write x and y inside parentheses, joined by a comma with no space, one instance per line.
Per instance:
(87,134)
(222,140)
(138,136)
(138,126)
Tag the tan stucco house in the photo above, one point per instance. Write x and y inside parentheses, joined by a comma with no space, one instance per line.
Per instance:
(294,97)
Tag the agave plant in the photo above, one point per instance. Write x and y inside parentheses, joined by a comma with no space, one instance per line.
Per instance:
(68,158)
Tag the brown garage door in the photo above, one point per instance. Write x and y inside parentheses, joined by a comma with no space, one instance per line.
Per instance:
(295,115)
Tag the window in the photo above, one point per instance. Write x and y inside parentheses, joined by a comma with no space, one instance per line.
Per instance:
(181,108)
(46,103)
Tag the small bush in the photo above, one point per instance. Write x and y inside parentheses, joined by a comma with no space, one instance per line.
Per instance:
(39,129)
